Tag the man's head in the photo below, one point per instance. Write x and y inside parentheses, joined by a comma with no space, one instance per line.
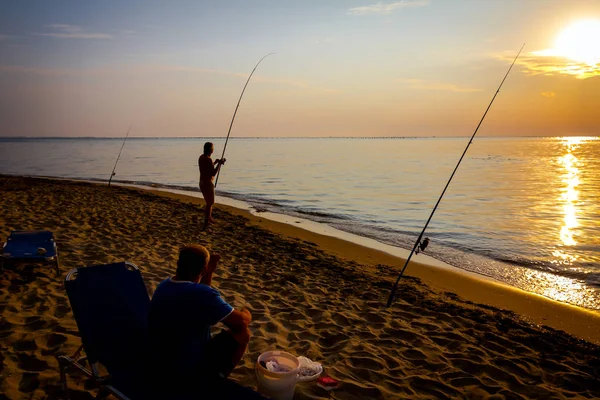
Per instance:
(192,261)
(208,148)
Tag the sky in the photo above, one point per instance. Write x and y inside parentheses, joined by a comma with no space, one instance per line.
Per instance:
(340,68)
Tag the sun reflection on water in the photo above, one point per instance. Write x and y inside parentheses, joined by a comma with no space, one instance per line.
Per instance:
(563,289)
(568,198)
(556,287)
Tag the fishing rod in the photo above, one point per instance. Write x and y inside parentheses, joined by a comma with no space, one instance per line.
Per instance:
(119,156)
(235,112)
(418,243)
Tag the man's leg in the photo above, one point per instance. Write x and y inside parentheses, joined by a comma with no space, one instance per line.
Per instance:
(209,200)
(242,339)
(224,352)
(207,212)
(212,202)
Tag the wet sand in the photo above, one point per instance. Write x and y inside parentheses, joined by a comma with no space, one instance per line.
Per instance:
(447,335)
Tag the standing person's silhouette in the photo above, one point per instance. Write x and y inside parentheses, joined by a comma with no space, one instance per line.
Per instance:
(208,170)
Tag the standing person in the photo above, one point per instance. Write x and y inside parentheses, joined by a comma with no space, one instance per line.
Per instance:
(182,311)
(208,170)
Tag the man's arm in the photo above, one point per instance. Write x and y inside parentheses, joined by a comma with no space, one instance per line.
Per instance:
(207,278)
(238,321)
(218,163)
(210,268)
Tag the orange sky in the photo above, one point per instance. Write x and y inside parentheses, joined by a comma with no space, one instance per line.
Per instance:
(398,68)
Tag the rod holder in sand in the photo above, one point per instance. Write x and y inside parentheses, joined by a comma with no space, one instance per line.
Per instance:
(418,242)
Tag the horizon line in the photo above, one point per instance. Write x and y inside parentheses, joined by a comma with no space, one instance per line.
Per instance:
(285,137)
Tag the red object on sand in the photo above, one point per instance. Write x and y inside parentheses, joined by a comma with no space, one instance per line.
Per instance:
(327,383)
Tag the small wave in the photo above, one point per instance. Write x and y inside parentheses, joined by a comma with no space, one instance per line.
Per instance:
(286,207)
(593,281)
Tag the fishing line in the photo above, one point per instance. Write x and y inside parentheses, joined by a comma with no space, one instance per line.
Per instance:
(119,156)
(235,112)
(418,243)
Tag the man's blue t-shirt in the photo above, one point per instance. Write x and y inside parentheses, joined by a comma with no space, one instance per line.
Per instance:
(181,314)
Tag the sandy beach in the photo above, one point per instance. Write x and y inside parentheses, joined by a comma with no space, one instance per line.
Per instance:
(447,335)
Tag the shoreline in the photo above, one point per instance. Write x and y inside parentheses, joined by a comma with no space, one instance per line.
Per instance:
(555,286)
(558,285)
(479,289)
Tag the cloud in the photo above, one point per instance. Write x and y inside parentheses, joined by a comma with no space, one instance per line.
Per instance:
(549,63)
(548,94)
(381,8)
(4,37)
(65,31)
(425,85)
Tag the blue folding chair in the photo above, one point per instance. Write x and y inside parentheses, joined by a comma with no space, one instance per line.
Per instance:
(30,246)
(111,304)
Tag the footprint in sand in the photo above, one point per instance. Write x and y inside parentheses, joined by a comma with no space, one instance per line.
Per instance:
(29,382)
(55,340)
(435,389)
(31,363)
(61,310)
(25,345)
(369,363)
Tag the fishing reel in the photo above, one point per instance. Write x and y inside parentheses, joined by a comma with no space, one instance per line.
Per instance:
(422,245)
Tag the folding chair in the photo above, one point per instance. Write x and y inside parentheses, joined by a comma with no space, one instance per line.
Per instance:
(30,245)
(110,304)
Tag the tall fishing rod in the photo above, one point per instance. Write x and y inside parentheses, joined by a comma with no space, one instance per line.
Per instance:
(424,244)
(119,156)
(235,112)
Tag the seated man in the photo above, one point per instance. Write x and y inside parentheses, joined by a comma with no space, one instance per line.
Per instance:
(182,311)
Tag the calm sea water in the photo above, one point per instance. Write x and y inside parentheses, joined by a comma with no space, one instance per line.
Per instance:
(524,211)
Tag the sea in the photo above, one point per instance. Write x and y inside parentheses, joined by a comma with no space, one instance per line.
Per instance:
(524,211)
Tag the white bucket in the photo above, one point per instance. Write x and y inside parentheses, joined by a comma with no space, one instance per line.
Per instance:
(277,385)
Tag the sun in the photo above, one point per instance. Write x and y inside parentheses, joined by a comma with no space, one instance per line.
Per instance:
(576,52)
(580,42)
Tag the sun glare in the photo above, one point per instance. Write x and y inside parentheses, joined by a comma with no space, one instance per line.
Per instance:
(576,52)
(580,42)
